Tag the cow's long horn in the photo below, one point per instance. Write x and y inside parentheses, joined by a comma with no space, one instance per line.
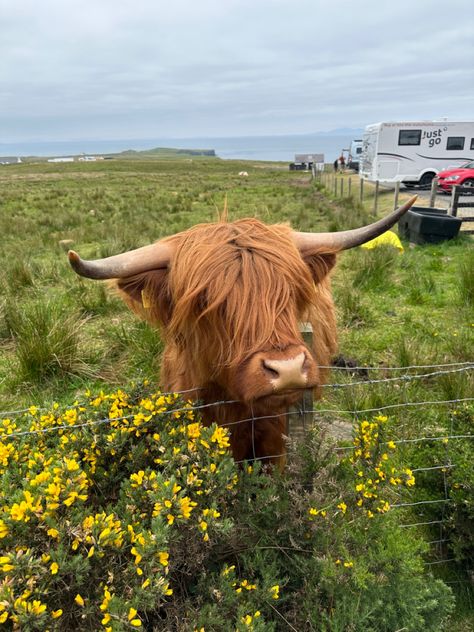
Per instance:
(343,240)
(127,264)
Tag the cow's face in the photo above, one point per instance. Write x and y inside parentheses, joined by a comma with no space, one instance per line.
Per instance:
(231,303)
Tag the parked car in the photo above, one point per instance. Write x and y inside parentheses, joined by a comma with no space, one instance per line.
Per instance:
(463,175)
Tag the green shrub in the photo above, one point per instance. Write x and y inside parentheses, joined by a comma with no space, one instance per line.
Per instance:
(122,512)
(455,483)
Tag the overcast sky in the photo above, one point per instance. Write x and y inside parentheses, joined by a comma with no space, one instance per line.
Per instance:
(106,69)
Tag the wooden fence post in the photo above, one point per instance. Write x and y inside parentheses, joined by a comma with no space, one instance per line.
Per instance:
(342,186)
(335,185)
(395,197)
(376,196)
(454,202)
(361,191)
(433,192)
(302,415)
(349,187)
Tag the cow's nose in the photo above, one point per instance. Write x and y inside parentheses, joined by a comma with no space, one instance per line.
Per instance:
(287,373)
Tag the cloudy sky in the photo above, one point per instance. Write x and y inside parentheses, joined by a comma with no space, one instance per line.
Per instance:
(106,69)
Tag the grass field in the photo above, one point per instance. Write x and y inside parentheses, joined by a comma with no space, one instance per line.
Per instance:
(60,335)
(416,304)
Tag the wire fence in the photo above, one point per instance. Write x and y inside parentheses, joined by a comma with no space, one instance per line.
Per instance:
(316,414)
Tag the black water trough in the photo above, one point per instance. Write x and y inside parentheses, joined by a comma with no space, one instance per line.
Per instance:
(428,225)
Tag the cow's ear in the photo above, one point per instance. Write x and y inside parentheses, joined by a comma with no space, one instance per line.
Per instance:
(148,295)
(319,264)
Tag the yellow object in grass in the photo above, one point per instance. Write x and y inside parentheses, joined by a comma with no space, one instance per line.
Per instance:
(385,239)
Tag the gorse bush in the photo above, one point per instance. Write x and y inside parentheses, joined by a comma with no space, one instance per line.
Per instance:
(91,509)
(124,512)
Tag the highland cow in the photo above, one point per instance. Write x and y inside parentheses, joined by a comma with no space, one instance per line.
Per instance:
(228,298)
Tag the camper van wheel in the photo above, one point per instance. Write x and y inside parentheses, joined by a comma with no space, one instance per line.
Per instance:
(425,180)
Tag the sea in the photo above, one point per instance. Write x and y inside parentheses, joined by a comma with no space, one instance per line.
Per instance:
(269,148)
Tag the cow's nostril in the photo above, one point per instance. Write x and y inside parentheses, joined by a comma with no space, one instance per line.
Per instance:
(272,372)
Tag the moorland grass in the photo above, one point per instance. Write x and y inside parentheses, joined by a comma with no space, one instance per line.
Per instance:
(386,302)
(60,334)
(104,208)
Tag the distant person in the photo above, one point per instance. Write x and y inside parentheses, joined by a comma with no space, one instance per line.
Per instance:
(342,162)
(336,165)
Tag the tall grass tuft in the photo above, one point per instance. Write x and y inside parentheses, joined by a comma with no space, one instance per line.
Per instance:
(47,340)
(421,289)
(93,299)
(466,280)
(352,310)
(375,268)
(16,275)
(142,343)
(405,352)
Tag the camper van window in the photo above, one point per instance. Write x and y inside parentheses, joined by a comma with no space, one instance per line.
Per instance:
(472,144)
(409,137)
(359,149)
(455,142)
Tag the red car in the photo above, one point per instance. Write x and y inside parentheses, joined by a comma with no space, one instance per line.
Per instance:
(463,175)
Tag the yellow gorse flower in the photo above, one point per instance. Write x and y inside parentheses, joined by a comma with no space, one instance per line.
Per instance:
(79,600)
(275,591)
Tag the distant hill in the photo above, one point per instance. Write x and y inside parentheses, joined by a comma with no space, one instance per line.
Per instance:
(163,152)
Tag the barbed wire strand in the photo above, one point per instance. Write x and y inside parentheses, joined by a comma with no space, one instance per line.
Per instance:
(400,378)
(434,467)
(420,524)
(395,368)
(464,366)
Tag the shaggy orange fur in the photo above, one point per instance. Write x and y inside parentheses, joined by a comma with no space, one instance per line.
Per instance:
(233,290)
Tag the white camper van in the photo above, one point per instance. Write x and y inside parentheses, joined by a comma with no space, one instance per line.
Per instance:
(355,151)
(413,152)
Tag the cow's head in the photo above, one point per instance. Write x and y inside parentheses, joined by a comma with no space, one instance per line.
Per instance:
(230,297)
